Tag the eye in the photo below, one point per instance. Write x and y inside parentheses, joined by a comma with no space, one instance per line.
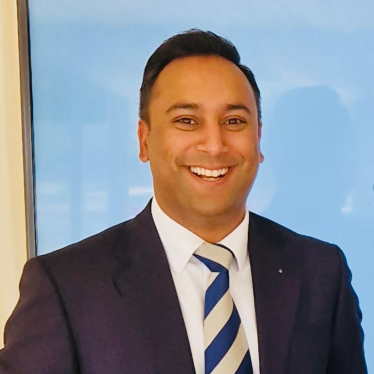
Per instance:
(235,123)
(186,123)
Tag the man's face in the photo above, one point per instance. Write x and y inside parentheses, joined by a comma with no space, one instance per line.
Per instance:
(202,141)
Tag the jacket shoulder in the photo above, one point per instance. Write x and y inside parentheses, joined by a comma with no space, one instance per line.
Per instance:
(301,245)
(96,251)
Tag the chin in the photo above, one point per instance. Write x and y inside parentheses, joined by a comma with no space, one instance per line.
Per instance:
(211,209)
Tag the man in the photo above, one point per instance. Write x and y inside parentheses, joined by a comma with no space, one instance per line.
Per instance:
(194,283)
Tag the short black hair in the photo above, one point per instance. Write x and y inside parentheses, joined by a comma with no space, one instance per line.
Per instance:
(193,42)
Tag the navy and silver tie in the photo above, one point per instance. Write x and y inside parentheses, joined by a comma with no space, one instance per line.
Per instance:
(226,346)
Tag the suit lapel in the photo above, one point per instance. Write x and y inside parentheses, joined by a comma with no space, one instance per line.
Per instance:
(276,285)
(146,280)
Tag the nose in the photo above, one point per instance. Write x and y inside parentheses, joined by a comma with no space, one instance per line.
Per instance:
(212,140)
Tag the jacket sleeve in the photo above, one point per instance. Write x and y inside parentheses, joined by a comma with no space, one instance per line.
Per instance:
(37,336)
(347,343)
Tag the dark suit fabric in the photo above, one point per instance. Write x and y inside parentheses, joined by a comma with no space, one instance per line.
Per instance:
(108,305)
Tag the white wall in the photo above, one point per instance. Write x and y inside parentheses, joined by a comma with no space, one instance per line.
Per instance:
(13,250)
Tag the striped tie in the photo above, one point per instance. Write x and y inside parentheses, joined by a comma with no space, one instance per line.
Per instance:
(226,347)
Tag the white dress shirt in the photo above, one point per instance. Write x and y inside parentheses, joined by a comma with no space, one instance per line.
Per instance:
(190,276)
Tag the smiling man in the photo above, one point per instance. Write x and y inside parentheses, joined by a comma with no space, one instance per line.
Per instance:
(201,135)
(195,283)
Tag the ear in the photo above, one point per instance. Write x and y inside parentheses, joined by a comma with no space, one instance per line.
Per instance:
(143,131)
(259,134)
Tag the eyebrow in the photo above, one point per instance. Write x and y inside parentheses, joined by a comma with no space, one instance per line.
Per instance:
(230,107)
(192,106)
(183,106)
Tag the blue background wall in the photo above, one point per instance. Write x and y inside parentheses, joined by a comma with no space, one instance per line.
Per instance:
(314,65)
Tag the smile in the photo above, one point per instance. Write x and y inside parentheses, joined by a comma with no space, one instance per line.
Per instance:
(208,174)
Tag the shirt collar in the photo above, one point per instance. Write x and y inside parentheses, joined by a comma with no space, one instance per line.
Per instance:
(180,243)
(237,241)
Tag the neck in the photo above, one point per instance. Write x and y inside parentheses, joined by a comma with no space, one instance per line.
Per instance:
(211,228)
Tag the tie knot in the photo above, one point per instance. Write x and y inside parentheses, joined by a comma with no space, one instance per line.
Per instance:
(218,258)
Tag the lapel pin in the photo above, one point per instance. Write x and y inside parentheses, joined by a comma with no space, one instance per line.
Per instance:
(280,271)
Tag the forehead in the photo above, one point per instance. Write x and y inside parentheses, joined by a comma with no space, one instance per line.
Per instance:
(201,78)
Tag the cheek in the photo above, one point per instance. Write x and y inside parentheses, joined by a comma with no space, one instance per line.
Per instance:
(247,147)
(162,154)
(157,144)
(178,148)
(250,155)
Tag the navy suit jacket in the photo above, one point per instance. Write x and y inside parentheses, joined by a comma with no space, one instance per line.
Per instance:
(108,305)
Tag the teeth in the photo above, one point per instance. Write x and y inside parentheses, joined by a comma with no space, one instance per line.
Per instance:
(208,172)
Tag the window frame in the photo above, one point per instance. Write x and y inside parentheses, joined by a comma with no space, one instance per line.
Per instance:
(27,123)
